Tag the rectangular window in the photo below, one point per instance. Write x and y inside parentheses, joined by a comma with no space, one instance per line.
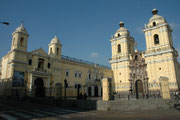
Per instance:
(49,65)
(75,75)
(41,64)
(67,73)
(89,76)
(79,75)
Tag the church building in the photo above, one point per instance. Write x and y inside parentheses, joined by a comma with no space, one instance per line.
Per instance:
(138,73)
(39,74)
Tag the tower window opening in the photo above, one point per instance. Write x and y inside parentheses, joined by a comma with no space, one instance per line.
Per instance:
(50,50)
(119,48)
(30,61)
(154,24)
(136,57)
(57,51)
(156,39)
(21,41)
(119,35)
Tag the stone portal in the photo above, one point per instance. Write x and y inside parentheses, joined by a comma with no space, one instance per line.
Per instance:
(139,89)
(39,87)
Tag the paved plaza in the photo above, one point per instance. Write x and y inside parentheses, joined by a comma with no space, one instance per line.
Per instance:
(16,110)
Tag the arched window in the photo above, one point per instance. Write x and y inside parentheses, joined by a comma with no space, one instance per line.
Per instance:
(57,51)
(156,39)
(119,48)
(119,35)
(21,41)
(154,24)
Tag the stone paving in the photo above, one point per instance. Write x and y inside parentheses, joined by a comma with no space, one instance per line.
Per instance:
(15,110)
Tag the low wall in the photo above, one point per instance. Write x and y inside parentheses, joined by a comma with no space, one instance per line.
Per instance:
(134,104)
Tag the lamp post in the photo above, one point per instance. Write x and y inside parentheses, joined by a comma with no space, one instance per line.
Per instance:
(65,86)
(6,23)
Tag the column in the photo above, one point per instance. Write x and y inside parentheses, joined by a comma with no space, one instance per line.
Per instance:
(99,91)
(106,83)
(30,84)
(164,85)
(92,90)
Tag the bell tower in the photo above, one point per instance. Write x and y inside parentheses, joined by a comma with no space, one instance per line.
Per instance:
(55,48)
(19,39)
(122,45)
(158,33)
(160,55)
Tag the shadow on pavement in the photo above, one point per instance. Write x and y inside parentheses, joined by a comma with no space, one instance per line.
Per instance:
(48,106)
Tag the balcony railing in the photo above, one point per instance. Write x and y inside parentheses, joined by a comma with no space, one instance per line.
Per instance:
(82,61)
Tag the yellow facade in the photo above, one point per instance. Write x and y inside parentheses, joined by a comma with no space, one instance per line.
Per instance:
(160,57)
(42,74)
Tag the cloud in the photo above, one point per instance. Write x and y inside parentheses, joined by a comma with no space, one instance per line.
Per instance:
(94,55)
(174,25)
(139,30)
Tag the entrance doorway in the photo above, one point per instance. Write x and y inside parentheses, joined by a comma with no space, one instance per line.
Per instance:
(89,91)
(39,87)
(139,89)
(96,91)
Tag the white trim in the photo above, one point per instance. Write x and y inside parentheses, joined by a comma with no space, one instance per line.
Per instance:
(121,60)
(158,53)
(160,61)
(123,66)
(155,27)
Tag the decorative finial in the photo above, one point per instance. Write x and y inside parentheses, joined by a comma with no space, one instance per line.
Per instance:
(154,11)
(121,24)
(135,45)
(56,35)
(22,23)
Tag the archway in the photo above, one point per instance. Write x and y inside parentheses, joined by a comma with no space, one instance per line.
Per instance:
(89,91)
(139,89)
(39,87)
(96,91)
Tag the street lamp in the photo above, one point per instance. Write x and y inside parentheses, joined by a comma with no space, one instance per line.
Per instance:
(6,23)
(65,86)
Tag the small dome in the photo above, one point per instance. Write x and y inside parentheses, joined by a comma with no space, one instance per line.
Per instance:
(156,18)
(55,40)
(21,29)
(154,11)
(122,30)
(121,24)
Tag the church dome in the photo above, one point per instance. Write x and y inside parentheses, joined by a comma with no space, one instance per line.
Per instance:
(55,40)
(121,31)
(156,19)
(21,29)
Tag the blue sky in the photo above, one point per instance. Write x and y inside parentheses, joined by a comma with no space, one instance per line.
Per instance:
(84,27)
